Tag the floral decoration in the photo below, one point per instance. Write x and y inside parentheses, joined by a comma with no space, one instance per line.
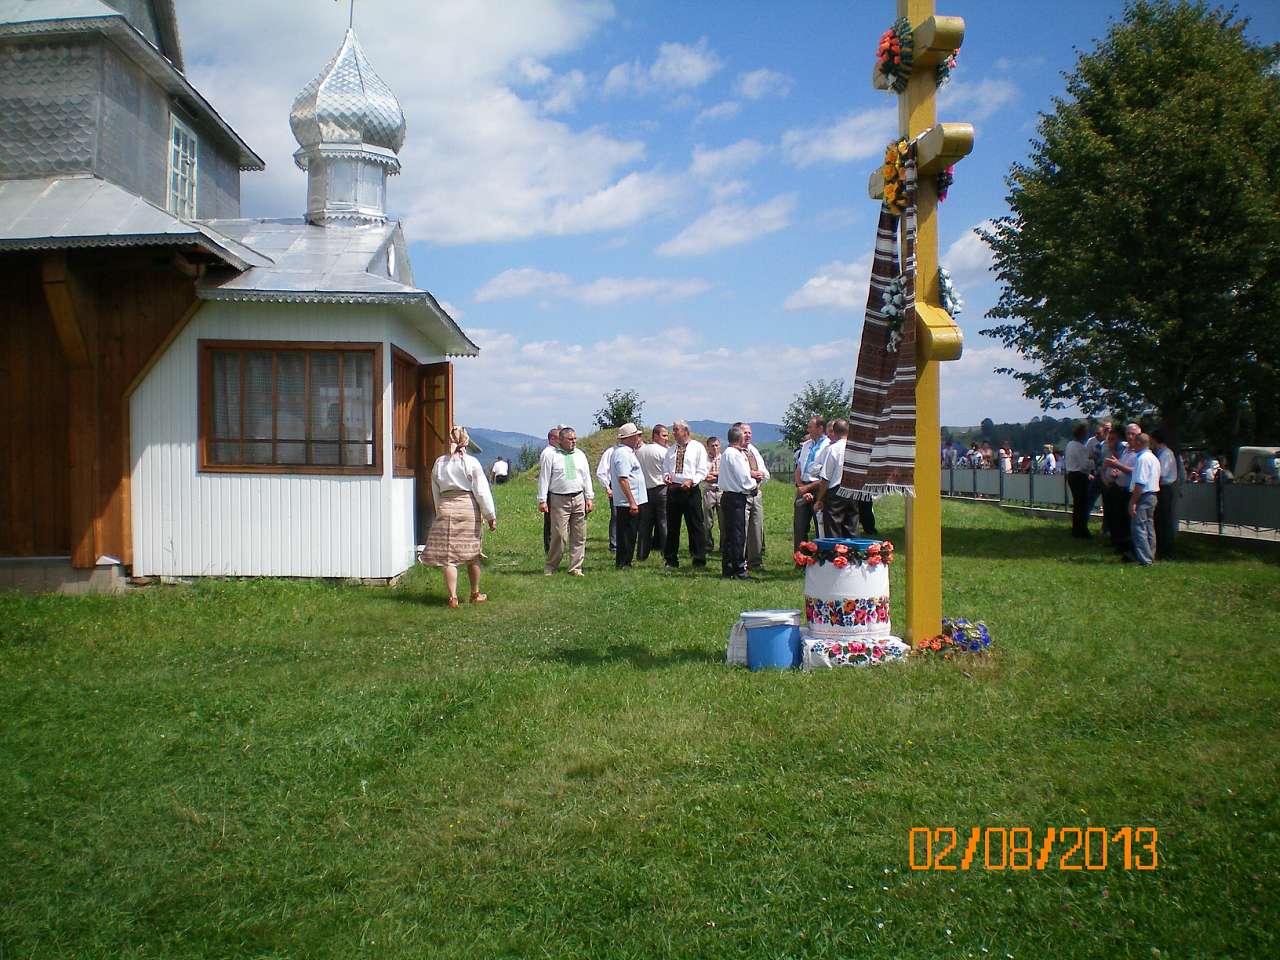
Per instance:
(847,612)
(951,301)
(841,554)
(945,179)
(893,304)
(893,56)
(853,653)
(959,636)
(945,67)
(896,155)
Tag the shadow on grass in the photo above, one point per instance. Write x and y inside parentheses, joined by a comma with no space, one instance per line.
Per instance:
(1021,544)
(641,658)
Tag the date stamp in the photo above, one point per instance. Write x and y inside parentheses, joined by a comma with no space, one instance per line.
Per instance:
(1021,848)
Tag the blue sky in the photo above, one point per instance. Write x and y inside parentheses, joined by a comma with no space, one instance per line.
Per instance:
(663,196)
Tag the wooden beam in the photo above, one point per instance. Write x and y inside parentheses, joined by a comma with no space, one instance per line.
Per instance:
(943,145)
(935,40)
(937,336)
(159,351)
(62,294)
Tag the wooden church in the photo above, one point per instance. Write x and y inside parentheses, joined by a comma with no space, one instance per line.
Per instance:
(183,391)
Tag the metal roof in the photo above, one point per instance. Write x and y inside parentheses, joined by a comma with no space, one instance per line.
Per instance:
(44,17)
(315,264)
(57,213)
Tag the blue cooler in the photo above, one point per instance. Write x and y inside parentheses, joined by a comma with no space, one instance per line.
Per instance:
(773,638)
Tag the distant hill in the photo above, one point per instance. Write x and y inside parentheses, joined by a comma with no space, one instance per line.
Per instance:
(761,432)
(502,443)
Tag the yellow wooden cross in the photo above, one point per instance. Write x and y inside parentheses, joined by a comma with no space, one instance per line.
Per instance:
(937,337)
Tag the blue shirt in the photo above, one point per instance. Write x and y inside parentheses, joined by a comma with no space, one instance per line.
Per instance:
(623,463)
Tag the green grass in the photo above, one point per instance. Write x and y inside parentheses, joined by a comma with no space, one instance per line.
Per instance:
(295,769)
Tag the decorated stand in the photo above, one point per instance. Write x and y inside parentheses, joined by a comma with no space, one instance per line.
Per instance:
(846,603)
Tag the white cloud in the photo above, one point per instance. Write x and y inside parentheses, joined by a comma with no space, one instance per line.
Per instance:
(762,83)
(975,102)
(721,192)
(721,111)
(859,135)
(836,286)
(520,282)
(676,372)
(969,259)
(730,225)
(678,66)
(709,162)
(485,159)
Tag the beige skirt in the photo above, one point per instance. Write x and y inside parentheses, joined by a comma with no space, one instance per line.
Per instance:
(455,535)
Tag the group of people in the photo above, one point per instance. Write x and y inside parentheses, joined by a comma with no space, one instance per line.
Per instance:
(1136,476)
(981,456)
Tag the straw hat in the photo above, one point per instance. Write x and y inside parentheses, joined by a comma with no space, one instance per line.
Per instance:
(627,430)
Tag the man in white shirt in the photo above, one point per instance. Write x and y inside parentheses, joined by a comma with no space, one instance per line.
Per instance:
(653,515)
(683,470)
(737,486)
(711,491)
(499,470)
(755,504)
(808,478)
(629,495)
(1077,468)
(565,494)
(1166,518)
(544,463)
(1121,466)
(602,474)
(1144,485)
(839,514)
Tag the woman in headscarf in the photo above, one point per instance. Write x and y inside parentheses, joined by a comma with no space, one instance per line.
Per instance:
(462,497)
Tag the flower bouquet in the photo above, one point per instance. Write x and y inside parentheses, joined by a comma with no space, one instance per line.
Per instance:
(958,637)
(895,175)
(893,57)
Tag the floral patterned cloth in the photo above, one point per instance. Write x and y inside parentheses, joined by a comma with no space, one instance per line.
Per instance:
(824,653)
(849,612)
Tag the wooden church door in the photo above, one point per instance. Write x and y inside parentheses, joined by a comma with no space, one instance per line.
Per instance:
(435,419)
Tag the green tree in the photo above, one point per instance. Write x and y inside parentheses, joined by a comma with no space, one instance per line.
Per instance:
(528,458)
(620,406)
(826,398)
(1140,263)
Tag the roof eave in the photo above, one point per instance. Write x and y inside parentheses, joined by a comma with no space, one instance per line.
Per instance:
(92,241)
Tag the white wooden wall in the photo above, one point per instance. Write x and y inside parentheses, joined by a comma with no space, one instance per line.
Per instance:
(187,523)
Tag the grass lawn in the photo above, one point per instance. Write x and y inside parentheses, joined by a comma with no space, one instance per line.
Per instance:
(294,769)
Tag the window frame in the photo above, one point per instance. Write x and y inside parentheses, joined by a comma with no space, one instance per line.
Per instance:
(206,350)
(411,438)
(175,202)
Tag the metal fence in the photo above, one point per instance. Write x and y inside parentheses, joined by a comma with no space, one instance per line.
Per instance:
(1252,505)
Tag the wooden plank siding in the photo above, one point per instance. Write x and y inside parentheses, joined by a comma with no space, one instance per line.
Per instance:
(75,329)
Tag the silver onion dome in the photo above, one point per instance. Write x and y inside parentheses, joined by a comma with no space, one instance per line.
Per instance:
(347,103)
(349,128)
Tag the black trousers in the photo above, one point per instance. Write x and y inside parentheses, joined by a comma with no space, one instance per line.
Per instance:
(546,532)
(1078,481)
(1166,520)
(686,505)
(733,534)
(804,520)
(1115,508)
(627,527)
(653,524)
(840,515)
(867,517)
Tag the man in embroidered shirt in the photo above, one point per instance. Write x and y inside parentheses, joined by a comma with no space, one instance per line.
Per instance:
(711,492)
(755,503)
(1166,518)
(566,496)
(737,486)
(653,516)
(839,514)
(602,474)
(808,479)
(1144,485)
(629,494)
(1077,468)
(544,464)
(683,470)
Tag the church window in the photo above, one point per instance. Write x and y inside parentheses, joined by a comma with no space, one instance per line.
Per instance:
(182,169)
(290,407)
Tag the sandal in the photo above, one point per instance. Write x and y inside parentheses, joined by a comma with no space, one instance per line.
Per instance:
(479,597)
(453,603)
